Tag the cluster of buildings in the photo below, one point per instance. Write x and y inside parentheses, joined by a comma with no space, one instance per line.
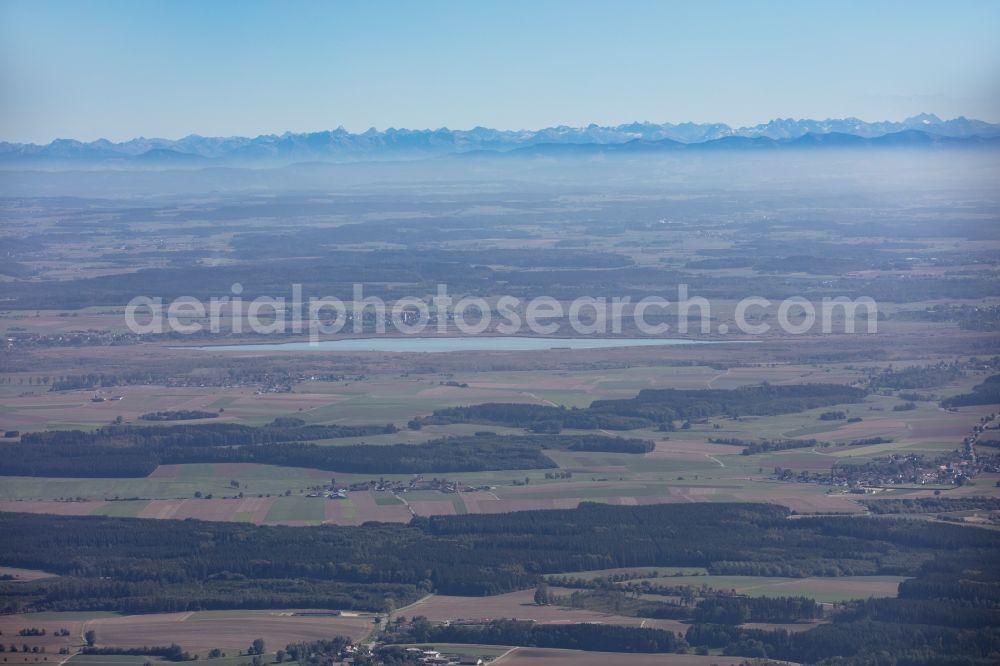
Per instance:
(895,469)
(422,656)
(393,486)
(92,338)
(415,484)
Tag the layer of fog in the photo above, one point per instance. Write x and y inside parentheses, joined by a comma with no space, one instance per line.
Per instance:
(902,170)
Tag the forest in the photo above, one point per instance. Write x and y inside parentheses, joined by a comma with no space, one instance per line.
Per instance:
(917,376)
(179,415)
(933,504)
(593,637)
(657,407)
(129,451)
(987,393)
(185,565)
(751,447)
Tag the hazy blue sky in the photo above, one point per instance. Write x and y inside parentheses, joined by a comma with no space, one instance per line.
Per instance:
(123,69)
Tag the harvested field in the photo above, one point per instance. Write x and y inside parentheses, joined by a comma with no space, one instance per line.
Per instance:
(680,449)
(553,657)
(519,605)
(507,505)
(202,509)
(806,504)
(25,575)
(784,626)
(202,631)
(84,508)
(828,590)
(444,507)
(51,623)
(362,507)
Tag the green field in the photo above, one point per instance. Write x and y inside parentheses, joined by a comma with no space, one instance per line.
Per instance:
(115,660)
(286,509)
(719,475)
(828,590)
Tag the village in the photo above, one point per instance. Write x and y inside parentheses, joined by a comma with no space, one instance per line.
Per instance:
(417,483)
(957,468)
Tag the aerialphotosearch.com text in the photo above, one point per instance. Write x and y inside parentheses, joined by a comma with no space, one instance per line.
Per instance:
(441,314)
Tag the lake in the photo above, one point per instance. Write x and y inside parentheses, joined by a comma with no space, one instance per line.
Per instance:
(462,343)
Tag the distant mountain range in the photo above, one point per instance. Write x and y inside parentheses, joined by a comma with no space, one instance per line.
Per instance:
(399,144)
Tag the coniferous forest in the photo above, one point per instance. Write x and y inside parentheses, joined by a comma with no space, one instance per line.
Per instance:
(949,608)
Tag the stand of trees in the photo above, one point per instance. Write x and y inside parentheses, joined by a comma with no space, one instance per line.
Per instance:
(737,610)
(172,652)
(751,447)
(987,393)
(591,637)
(855,644)
(179,415)
(917,376)
(933,504)
(656,407)
(142,565)
(129,451)
(452,454)
(948,613)
(204,434)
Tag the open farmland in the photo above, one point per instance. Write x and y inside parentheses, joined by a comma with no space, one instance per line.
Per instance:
(196,632)
(519,605)
(703,495)
(201,631)
(554,657)
(825,590)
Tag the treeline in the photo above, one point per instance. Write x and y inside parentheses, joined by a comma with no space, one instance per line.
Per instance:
(932,505)
(737,610)
(179,415)
(590,637)
(172,652)
(450,454)
(987,393)
(655,407)
(619,602)
(204,434)
(596,443)
(135,451)
(946,614)
(76,460)
(918,376)
(539,418)
(480,452)
(93,380)
(221,591)
(129,451)
(140,565)
(751,447)
(716,606)
(868,441)
(322,652)
(949,613)
(855,644)
(940,611)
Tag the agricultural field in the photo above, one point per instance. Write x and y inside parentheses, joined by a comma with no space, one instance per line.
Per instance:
(684,466)
(196,632)
(240,457)
(24,575)
(519,605)
(824,590)
(555,657)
